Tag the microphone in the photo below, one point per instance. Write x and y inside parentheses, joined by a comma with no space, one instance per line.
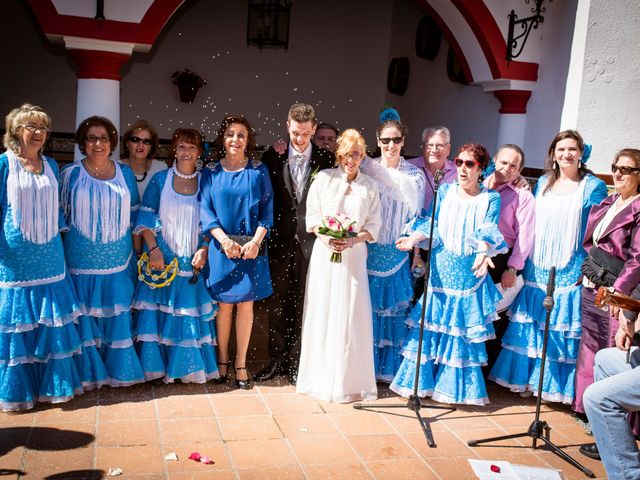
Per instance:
(438,176)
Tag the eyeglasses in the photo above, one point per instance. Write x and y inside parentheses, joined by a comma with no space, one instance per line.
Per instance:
(145,141)
(94,139)
(355,155)
(32,127)
(435,146)
(623,170)
(232,135)
(396,140)
(467,163)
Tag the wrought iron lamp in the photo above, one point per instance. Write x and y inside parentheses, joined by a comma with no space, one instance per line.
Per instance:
(268,23)
(514,47)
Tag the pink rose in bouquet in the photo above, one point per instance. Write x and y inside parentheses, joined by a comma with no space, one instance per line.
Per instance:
(338,227)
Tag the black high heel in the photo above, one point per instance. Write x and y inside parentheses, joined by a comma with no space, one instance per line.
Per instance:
(223,378)
(243,384)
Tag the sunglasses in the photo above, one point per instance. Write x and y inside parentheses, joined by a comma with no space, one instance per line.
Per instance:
(467,163)
(623,170)
(396,140)
(145,141)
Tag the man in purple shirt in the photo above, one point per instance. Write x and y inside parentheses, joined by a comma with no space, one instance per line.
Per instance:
(436,147)
(516,223)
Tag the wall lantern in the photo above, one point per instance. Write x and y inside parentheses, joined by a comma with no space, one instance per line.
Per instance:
(268,23)
(514,48)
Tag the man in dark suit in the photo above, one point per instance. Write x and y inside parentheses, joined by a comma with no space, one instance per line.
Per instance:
(289,243)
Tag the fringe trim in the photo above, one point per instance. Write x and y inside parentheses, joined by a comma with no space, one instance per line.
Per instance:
(97,206)
(558,227)
(34,200)
(180,218)
(459,218)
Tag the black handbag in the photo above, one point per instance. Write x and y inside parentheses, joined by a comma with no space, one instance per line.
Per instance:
(242,239)
(601,268)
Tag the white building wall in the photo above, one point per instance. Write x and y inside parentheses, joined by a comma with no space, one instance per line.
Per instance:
(603,103)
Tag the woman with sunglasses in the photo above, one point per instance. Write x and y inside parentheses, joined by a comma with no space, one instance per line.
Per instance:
(175,334)
(139,145)
(461,297)
(401,186)
(38,305)
(564,195)
(99,198)
(613,227)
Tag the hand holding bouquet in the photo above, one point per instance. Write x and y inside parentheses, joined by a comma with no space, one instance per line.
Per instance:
(340,228)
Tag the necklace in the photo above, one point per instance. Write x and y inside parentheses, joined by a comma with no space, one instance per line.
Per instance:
(35,171)
(139,180)
(177,173)
(94,171)
(620,204)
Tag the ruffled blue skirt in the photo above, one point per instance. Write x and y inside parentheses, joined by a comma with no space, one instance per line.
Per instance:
(106,331)
(518,365)
(459,313)
(175,332)
(391,294)
(38,344)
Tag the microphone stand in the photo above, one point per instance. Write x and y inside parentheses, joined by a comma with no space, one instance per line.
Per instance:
(414,403)
(537,427)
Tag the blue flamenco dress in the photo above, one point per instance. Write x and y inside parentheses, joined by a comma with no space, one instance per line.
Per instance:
(99,252)
(561,221)
(401,198)
(38,305)
(460,307)
(238,202)
(174,328)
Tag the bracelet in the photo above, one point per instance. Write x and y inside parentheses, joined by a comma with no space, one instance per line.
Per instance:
(229,245)
(153,248)
(478,252)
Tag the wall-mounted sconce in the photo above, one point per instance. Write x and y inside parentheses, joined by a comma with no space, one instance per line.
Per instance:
(514,48)
(268,23)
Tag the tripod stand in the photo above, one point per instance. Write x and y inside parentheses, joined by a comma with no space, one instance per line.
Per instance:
(414,403)
(537,427)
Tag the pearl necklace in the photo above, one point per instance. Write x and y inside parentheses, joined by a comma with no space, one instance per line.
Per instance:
(94,171)
(177,173)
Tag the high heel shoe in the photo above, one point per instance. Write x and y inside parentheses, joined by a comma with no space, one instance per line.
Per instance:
(243,384)
(222,378)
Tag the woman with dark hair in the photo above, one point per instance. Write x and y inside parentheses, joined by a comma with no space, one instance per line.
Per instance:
(38,305)
(100,199)
(461,297)
(613,229)
(175,334)
(401,186)
(139,145)
(237,211)
(564,195)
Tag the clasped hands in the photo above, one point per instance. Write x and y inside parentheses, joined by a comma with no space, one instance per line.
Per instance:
(234,250)
(337,244)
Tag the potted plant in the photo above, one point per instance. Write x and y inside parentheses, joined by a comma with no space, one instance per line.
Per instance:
(188,83)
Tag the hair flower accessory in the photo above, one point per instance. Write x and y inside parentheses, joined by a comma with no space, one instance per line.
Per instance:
(389,113)
(586,153)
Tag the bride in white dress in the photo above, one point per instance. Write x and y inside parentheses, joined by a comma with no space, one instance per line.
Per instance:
(336,360)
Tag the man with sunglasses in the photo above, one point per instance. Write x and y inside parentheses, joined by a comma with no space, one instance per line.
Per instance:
(292,172)
(436,147)
(516,223)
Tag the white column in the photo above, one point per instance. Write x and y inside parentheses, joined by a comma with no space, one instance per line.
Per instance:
(97,96)
(511,129)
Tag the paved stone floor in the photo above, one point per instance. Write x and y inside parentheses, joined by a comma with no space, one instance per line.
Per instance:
(269,432)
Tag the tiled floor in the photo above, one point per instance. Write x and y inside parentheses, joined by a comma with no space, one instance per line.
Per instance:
(269,432)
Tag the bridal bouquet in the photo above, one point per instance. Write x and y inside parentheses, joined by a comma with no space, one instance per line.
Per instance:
(338,227)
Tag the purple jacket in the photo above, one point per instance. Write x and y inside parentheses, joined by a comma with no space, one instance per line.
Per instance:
(621,239)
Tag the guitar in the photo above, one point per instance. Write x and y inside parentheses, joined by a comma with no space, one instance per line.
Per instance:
(608,296)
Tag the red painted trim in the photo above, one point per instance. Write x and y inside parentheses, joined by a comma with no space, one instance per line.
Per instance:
(143,33)
(98,64)
(493,44)
(429,10)
(513,101)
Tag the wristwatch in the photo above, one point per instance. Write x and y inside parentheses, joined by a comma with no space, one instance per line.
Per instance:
(512,270)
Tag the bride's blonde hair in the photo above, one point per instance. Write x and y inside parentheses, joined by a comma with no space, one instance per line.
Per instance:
(346,141)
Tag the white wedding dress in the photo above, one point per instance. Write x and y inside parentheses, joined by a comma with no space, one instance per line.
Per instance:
(336,361)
